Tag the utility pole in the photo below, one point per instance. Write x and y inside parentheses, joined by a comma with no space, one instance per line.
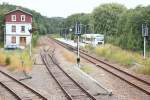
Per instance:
(144,34)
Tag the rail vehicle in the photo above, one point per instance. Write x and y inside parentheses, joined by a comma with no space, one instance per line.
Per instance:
(94,39)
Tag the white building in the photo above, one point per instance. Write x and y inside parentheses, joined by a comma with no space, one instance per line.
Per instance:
(17,26)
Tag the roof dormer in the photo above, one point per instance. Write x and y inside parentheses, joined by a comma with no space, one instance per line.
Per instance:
(22,18)
(13,17)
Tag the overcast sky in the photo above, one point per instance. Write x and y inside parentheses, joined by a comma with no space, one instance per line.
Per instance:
(64,8)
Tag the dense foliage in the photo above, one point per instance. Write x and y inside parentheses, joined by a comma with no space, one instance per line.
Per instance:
(83,18)
(121,26)
(105,18)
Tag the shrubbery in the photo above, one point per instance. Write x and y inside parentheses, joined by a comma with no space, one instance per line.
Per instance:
(2,58)
(123,57)
(7,61)
(14,58)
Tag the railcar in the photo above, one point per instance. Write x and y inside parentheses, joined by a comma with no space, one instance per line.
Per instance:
(94,39)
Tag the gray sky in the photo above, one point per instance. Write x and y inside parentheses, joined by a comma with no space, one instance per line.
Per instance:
(64,8)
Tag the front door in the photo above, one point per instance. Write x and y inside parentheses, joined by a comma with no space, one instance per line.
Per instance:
(22,41)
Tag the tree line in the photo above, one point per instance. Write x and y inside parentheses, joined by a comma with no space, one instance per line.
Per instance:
(121,26)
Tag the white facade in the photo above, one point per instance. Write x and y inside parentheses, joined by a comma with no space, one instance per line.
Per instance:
(18,34)
(93,39)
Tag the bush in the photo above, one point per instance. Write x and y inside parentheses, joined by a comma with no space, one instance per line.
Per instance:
(35,37)
(7,61)
(1,45)
(114,53)
(55,35)
(89,47)
(2,58)
(72,36)
(13,59)
(123,57)
(145,69)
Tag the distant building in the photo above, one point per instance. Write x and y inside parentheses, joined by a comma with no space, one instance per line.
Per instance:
(17,26)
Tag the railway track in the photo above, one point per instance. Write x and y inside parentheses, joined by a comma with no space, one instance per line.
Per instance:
(19,90)
(131,79)
(72,89)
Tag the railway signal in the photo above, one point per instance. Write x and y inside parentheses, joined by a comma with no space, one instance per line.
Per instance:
(78,32)
(144,34)
(31,31)
(78,28)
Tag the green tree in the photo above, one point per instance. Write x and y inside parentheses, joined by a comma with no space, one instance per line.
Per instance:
(105,18)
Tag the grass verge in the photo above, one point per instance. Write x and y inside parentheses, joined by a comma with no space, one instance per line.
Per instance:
(86,68)
(55,35)
(69,56)
(16,59)
(126,58)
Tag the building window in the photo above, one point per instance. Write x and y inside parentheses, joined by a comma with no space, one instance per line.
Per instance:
(22,41)
(13,29)
(23,29)
(13,39)
(13,17)
(22,17)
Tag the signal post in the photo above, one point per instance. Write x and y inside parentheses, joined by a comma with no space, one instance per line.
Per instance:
(78,33)
(145,35)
